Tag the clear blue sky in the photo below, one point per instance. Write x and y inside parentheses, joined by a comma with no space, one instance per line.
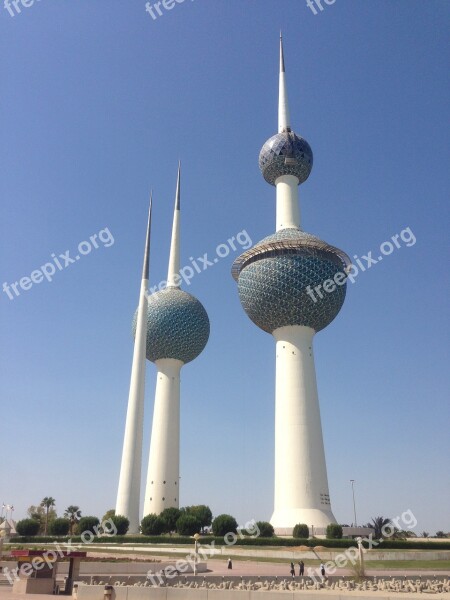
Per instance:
(98,103)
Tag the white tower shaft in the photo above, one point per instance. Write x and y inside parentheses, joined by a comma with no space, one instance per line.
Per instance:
(128,495)
(288,206)
(162,490)
(164,461)
(301,484)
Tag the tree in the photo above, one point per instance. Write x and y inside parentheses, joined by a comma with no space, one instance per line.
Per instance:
(440,534)
(379,524)
(88,524)
(73,513)
(266,530)
(59,527)
(48,502)
(170,517)
(424,534)
(152,525)
(39,513)
(334,531)
(108,514)
(121,523)
(301,530)
(224,524)
(201,512)
(402,534)
(188,524)
(28,527)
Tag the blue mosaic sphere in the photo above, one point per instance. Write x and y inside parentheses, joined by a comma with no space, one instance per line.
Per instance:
(177,326)
(274,275)
(286,153)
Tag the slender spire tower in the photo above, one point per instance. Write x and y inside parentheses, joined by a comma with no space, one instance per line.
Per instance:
(128,496)
(275,279)
(177,332)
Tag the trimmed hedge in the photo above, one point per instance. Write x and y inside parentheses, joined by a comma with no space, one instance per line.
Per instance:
(265,529)
(87,525)
(286,542)
(59,527)
(301,530)
(152,525)
(28,527)
(224,524)
(121,523)
(188,524)
(334,531)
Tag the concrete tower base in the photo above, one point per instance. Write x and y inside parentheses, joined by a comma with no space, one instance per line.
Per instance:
(163,478)
(315,519)
(301,485)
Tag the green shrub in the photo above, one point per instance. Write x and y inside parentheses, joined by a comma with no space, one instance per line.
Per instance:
(170,517)
(121,523)
(87,524)
(224,524)
(28,527)
(334,531)
(201,512)
(152,525)
(301,530)
(59,527)
(410,544)
(265,529)
(188,525)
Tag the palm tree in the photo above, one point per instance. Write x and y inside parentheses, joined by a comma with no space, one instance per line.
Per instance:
(378,523)
(48,502)
(73,513)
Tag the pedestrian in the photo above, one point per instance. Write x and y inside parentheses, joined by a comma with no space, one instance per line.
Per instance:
(292,570)
(322,570)
(230,564)
(301,566)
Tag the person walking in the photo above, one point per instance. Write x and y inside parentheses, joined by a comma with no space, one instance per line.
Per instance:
(292,570)
(301,566)
(322,570)
(230,564)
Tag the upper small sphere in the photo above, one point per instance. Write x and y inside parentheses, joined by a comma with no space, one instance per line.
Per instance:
(286,153)
(177,326)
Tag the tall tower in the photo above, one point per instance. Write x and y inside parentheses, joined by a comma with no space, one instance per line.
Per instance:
(273,281)
(128,495)
(177,332)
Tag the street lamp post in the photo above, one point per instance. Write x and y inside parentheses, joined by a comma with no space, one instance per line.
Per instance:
(354,504)
(196,538)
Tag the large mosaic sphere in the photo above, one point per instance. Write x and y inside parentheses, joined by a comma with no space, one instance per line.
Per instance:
(273,279)
(286,153)
(177,326)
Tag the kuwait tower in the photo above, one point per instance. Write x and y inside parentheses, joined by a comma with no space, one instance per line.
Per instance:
(177,332)
(128,495)
(273,281)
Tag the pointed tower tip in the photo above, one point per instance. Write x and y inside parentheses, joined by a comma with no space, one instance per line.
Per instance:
(282,66)
(173,278)
(283,105)
(146,269)
(178,192)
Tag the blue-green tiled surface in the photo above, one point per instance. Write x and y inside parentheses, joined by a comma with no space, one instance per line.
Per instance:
(177,326)
(272,158)
(272,284)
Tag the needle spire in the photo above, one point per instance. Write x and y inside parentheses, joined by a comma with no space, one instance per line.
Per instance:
(173,276)
(284,120)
